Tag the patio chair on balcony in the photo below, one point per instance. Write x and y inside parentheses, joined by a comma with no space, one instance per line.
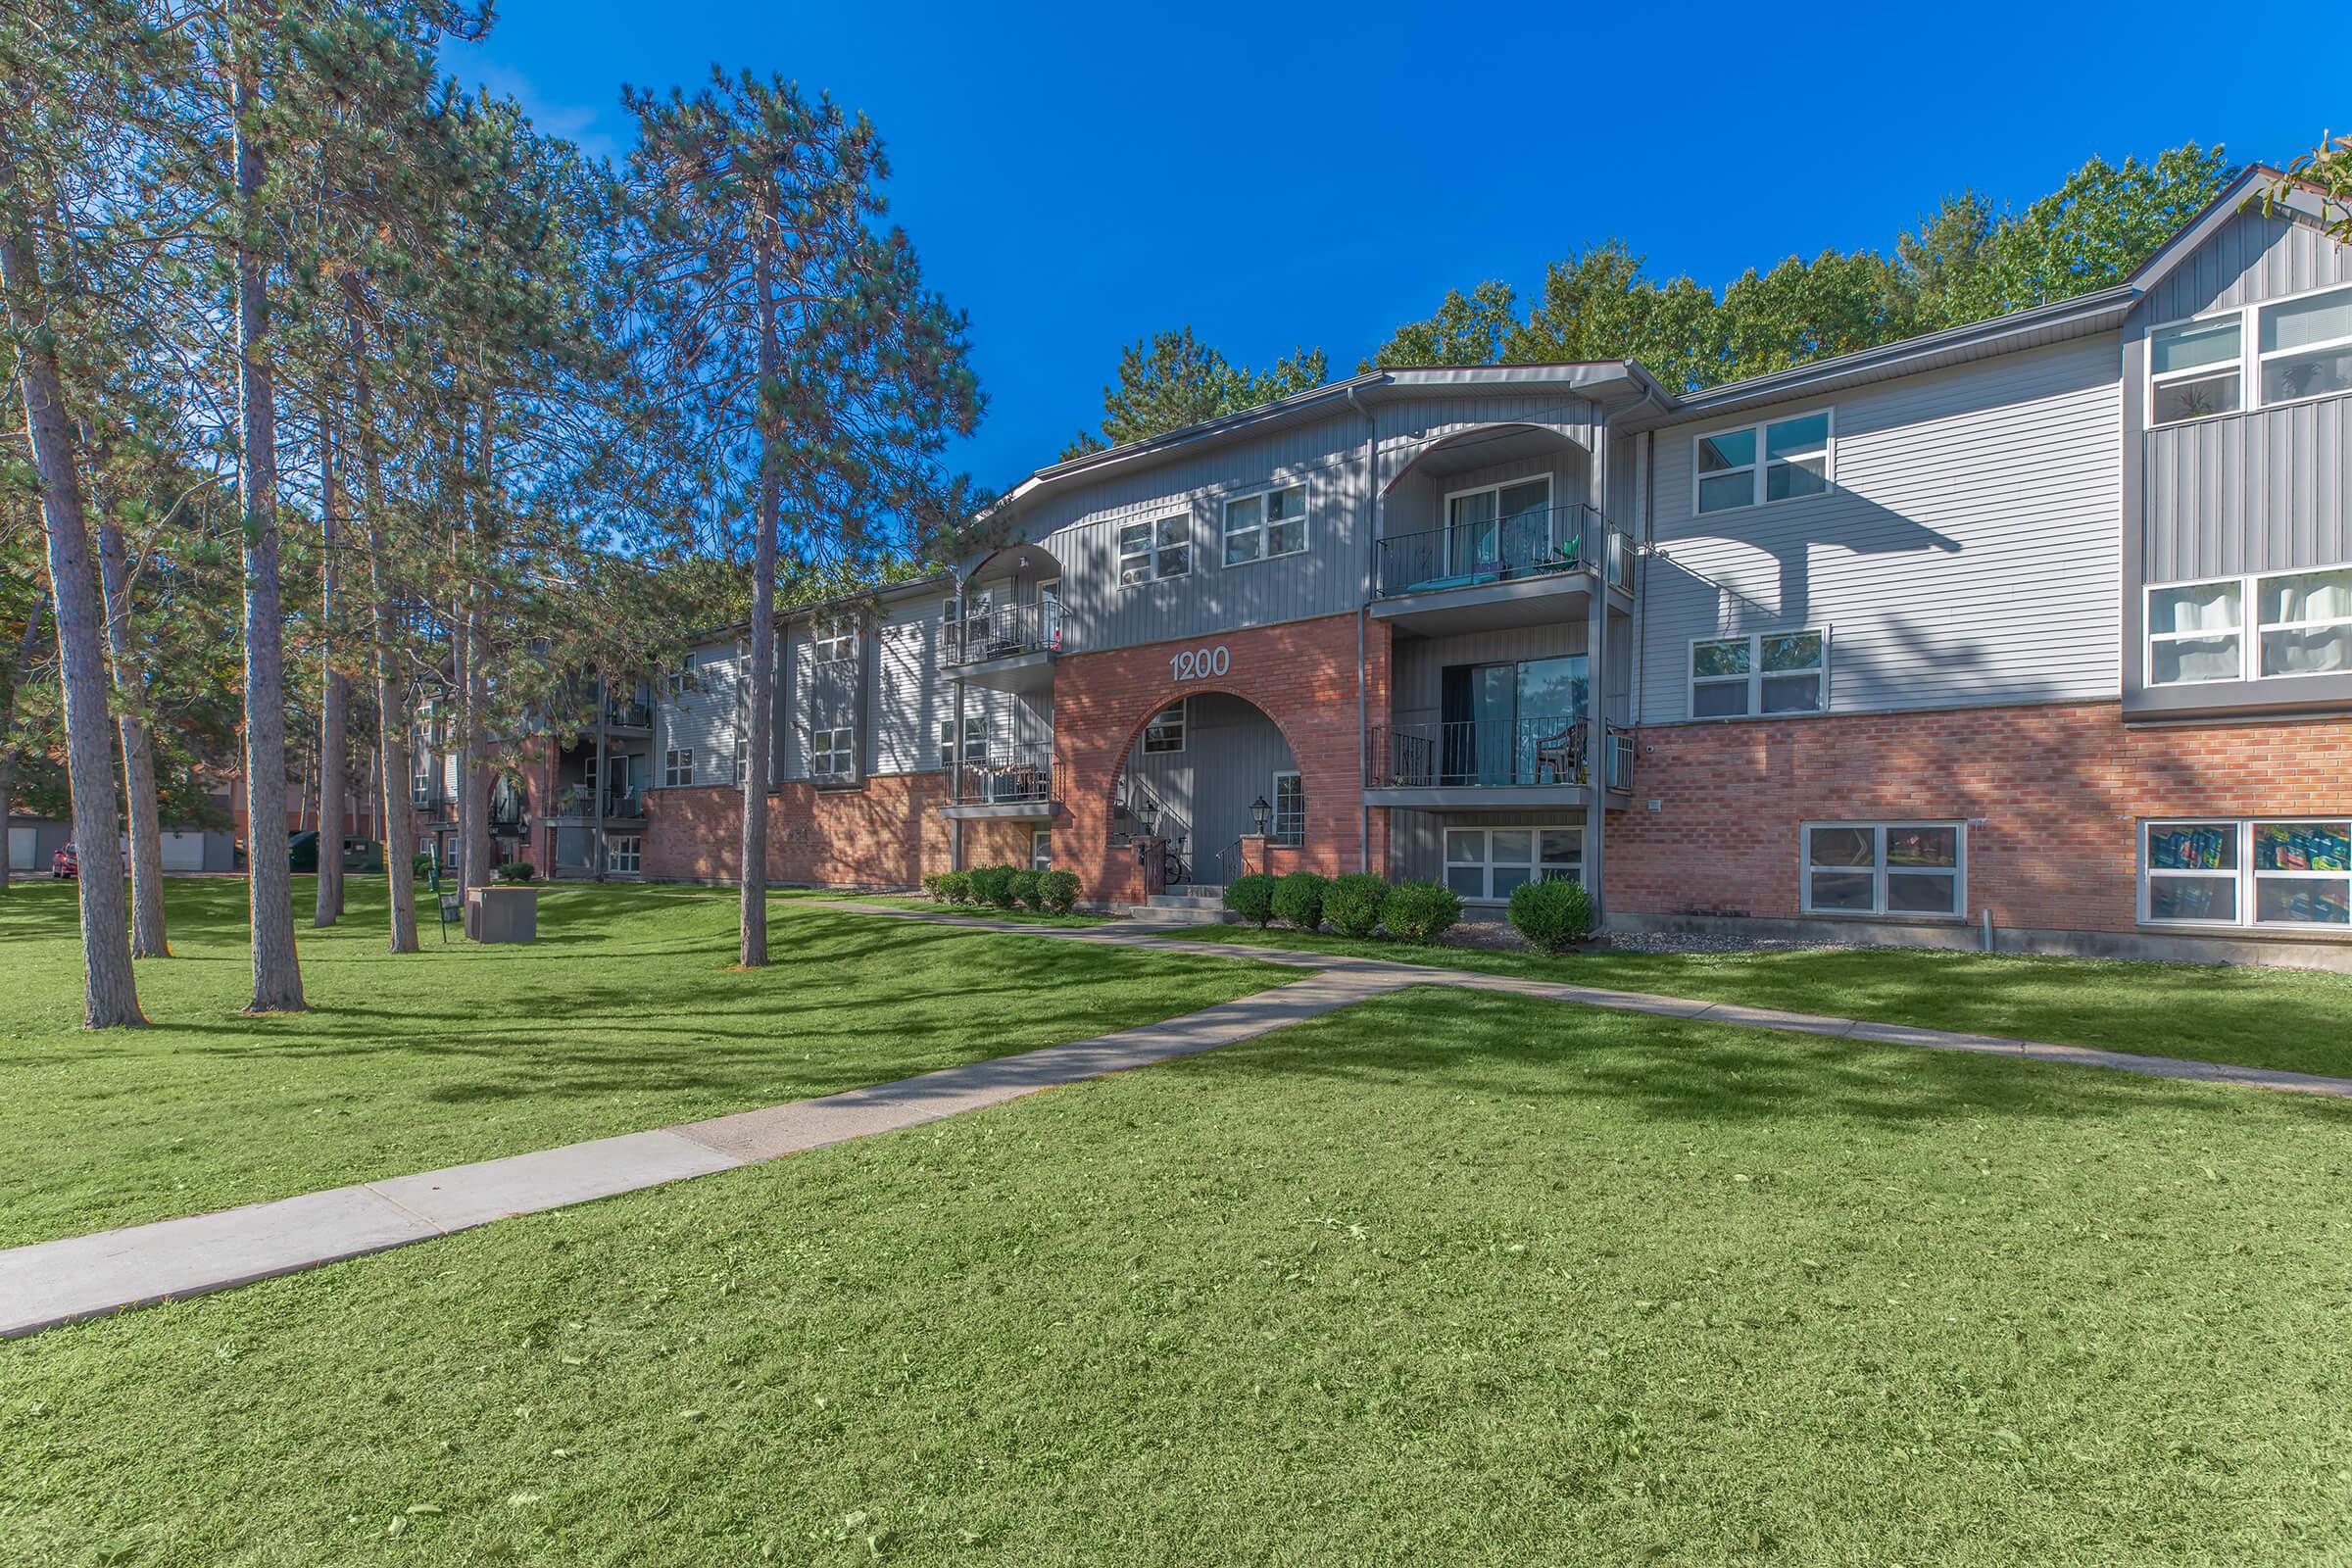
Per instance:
(1562,751)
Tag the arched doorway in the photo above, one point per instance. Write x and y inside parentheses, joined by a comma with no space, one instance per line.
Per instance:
(1197,773)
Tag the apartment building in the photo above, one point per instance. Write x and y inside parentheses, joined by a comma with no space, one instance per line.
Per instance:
(2044,622)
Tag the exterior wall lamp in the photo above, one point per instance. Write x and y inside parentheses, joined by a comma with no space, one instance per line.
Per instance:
(1262,815)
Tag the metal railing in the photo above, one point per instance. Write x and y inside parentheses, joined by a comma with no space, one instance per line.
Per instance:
(1002,631)
(1495,753)
(1010,775)
(1528,544)
(574,802)
(629,716)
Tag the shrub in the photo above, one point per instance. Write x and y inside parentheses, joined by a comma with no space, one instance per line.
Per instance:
(932,887)
(515,871)
(1299,900)
(1553,916)
(993,884)
(1351,904)
(1059,889)
(1252,898)
(1420,911)
(420,866)
(1025,890)
(954,887)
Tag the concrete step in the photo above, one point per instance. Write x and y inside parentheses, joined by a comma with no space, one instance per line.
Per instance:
(1187,900)
(1157,913)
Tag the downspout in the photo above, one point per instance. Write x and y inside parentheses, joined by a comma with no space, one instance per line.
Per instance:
(1641,522)
(1363,732)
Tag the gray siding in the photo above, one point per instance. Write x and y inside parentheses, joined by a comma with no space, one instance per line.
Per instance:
(1965,554)
(1416,683)
(701,718)
(1417,839)
(1230,755)
(2258,491)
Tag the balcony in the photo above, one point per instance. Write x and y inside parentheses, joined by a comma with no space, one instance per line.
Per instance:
(576,803)
(1011,781)
(1007,647)
(1519,570)
(1538,760)
(629,716)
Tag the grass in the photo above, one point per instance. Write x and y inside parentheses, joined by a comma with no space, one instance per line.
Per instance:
(2295,1020)
(625,1016)
(1448,1278)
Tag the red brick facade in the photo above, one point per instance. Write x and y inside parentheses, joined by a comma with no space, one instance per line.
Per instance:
(1301,674)
(2053,797)
(886,833)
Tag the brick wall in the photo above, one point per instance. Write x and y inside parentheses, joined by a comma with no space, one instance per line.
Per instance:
(886,833)
(2053,797)
(1301,674)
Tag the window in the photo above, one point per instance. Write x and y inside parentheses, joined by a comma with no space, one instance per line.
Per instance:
(1763,673)
(420,780)
(2301,348)
(834,638)
(677,765)
(2238,872)
(2193,370)
(676,681)
(743,759)
(1271,524)
(1484,864)
(832,753)
(1149,550)
(1500,527)
(1040,848)
(2306,347)
(2302,626)
(449,853)
(1165,732)
(621,853)
(1289,825)
(975,739)
(1893,869)
(1795,455)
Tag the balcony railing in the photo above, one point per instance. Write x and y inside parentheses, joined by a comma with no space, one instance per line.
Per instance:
(629,716)
(1493,753)
(1003,631)
(1014,775)
(578,801)
(1528,544)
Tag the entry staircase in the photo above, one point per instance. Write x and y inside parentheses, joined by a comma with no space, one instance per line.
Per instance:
(1192,903)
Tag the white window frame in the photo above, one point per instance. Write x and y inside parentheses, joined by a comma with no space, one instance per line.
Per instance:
(2251,357)
(2246,876)
(1182,709)
(1156,544)
(1446,501)
(1040,848)
(1293,833)
(743,759)
(2248,631)
(832,639)
(450,856)
(1756,674)
(975,740)
(1488,864)
(1759,469)
(838,742)
(674,681)
(1879,869)
(625,853)
(677,766)
(1260,531)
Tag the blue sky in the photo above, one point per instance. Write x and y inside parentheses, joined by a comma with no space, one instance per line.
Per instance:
(1078,177)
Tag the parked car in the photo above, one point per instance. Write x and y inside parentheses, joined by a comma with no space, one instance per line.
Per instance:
(66,863)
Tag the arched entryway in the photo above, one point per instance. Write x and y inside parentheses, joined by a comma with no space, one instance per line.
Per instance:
(1199,774)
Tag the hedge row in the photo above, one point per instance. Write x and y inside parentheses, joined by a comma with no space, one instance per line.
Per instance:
(1357,904)
(1007,887)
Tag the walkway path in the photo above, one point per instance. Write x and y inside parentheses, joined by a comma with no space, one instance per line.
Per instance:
(86,1276)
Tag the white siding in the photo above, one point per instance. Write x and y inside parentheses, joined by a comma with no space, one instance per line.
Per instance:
(1966,554)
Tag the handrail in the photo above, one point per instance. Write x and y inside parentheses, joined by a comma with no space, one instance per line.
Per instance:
(1576,537)
(1008,775)
(1498,752)
(1002,631)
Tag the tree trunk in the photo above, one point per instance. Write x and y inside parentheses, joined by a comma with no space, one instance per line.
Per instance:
(753,949)
(391,705)
(473,769)
(148,939)
(269,888)
(29,648)
(603,779)
(334,769)
(109,992)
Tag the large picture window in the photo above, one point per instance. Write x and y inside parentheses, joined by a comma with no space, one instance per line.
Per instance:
(2291,350)
(1484,863)
(622,854)
(1902,869)
(1271,524)
(1764,672)
(2292,874)
(2301,625)
(1152,551)
(1779,459)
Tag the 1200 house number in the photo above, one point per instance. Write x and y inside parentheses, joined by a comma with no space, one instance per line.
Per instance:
(1200,663)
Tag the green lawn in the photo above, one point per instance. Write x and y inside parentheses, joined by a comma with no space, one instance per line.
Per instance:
(1448,1278)
(625,1016)
(2290,1018)
(1073,921)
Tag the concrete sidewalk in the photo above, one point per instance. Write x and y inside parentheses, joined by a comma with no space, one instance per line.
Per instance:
(58,1282)
(86,1276)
